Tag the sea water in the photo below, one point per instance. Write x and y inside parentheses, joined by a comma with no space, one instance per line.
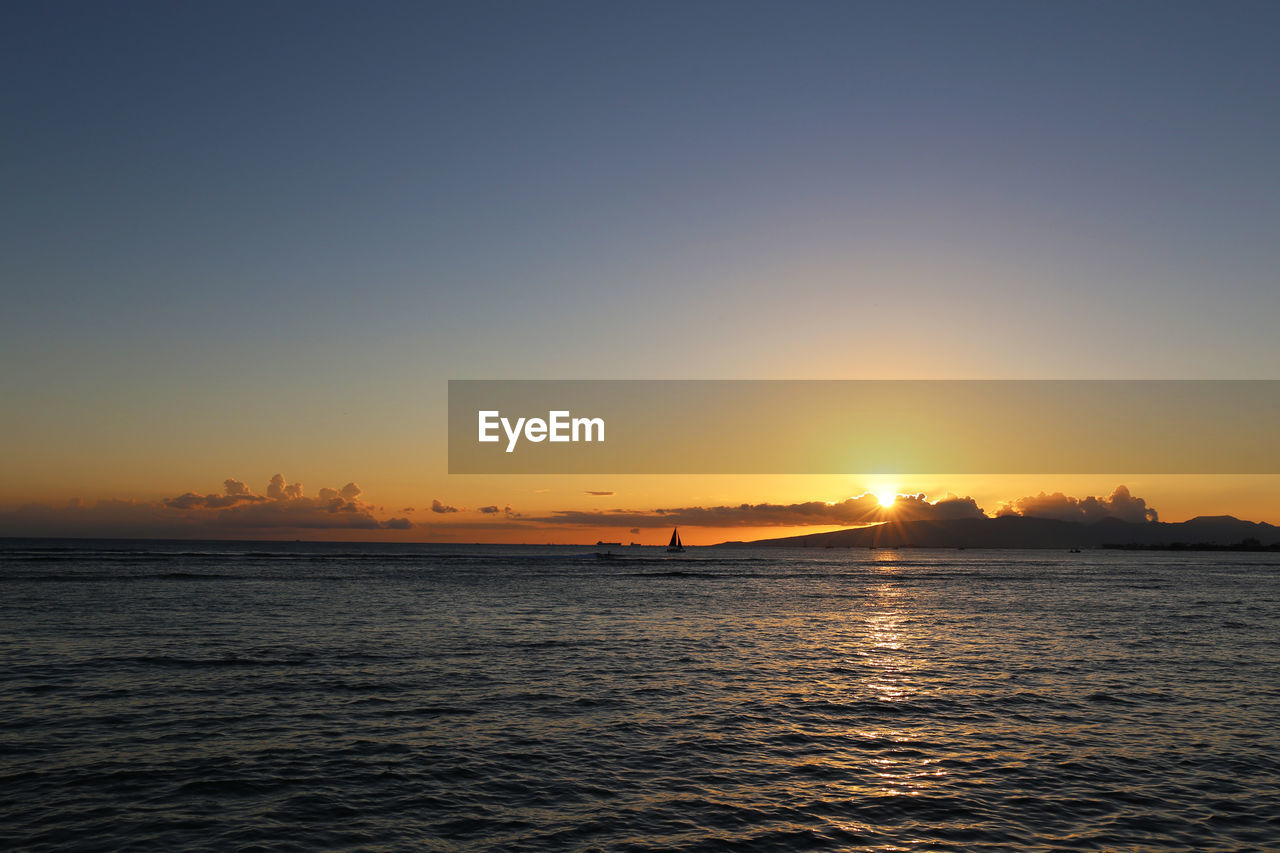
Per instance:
(228,696)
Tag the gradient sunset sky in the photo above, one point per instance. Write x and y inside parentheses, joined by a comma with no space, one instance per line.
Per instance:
(247,239)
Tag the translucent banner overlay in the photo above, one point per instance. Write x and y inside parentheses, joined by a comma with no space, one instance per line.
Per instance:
(864,427)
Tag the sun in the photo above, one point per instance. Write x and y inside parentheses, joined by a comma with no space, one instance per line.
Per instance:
(886,499)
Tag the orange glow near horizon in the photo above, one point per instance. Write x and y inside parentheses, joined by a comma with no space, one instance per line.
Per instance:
(497,509)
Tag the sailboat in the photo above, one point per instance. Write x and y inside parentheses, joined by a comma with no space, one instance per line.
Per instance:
(674,546)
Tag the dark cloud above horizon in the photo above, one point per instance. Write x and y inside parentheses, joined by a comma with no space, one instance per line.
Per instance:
(598,494)
(1120,505)
(285,506)
(864,509)
(234,492)
(861,510)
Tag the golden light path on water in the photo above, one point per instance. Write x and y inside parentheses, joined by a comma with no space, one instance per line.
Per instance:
(888,621)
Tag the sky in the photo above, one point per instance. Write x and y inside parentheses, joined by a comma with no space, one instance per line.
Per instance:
(240,240)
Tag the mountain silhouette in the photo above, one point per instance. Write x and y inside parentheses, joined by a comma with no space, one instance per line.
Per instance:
(1017,531)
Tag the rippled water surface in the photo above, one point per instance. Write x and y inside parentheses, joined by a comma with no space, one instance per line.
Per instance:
(233,696)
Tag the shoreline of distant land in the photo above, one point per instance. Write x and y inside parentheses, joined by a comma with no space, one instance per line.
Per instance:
(1203,533)
(1250,546)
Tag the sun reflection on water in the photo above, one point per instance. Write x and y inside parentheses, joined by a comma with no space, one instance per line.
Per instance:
(885,651)
(892,761)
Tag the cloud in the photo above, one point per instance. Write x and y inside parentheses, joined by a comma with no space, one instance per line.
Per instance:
(234,492)
(864,509)
(494,509)
(920,508)
(286,506)
(598,494)
(408,509)
(191,500)
(236,509)
(239,510)
(280,489)
(235,487)
(1120,504)
(487,524)
(105,518)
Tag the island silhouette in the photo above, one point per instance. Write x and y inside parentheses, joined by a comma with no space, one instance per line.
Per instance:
(1200,533)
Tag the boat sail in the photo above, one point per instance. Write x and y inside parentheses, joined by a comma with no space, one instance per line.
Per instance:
(674,546)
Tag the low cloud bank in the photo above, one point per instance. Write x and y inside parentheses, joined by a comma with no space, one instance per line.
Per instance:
(237,508)
(864,509)
(860,510)
(1120,505)
(286,506)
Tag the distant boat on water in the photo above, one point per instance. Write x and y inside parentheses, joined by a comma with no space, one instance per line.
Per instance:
(674,546)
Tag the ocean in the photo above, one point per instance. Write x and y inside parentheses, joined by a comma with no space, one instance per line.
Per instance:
(295,696)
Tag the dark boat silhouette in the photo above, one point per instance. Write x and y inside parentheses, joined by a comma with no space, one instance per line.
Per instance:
(674,546)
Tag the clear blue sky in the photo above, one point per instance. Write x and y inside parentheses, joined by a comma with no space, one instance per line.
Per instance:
(250,224)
